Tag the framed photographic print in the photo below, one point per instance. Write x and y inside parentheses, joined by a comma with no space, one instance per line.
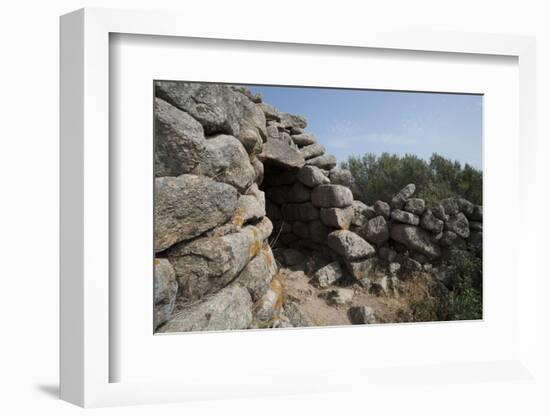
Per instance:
(306,199)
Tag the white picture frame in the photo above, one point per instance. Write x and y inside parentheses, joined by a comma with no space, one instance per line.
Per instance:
(85,217)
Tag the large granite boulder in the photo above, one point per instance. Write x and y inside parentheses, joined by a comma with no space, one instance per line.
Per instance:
(331,196)
(415,205)
(188,205)
(257,274)
(165,288)
(415,238)
(312,150)
(458,223)
(179,140)
(207,264)
(349,245)
(340,176)
(323,162)
(213,105)
(312,176)
(304,139)
(230,308)
(225,159)
(337,217)
(376,231)
(278,153)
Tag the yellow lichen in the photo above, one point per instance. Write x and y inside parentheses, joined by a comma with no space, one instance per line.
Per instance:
(157,262)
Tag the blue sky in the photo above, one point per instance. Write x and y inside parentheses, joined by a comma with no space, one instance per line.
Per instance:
(354,122)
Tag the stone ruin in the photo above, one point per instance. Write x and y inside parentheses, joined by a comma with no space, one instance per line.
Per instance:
(237,180)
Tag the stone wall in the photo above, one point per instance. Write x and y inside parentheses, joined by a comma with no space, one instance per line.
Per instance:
(236,177)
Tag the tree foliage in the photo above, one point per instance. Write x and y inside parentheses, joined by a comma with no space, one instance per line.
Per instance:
(380,177)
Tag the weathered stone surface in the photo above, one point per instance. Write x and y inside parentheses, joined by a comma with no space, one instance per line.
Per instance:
(300,212)
(338,296)
(255,98)
(251,139)
(213,105)
(298,193)
(376,231)
(431,223)
(465,206)
(267,310)
(382,208)
(276,152)
(401,197)
(340,176)
(188,205)
(328,274)
(363,270)
(272,131)
(439,212)
(359,315)
(331,196)
(270,112)
(458,223)
(231,308)
(450,206)
(205,265)
(292,120)
(258,169)
(477,213)
(405,217)
(225,159)
(449,238)
(415,238)
(415,205)
(179,140)
(264,228)
(312,176)
(318,231)
(296,316)
(257,274)
(250,206)
(312,150)
(304,139)
(165,290)
(337,217)
(349,245)
(324,162)
(301,229)
(361,213)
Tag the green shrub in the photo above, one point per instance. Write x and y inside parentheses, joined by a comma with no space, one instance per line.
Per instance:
(380,177)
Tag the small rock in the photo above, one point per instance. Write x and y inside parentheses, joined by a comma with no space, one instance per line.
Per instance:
(387,253)
(449,238)
(338,296)
(458,223)
(292,120)
(439,212)
(465,206)
(415,205)
(394,268)
(382,208)
(359,315)
(450,206)
(363,270)
(401,197)
(431,223)
(329,274)
(405,217)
